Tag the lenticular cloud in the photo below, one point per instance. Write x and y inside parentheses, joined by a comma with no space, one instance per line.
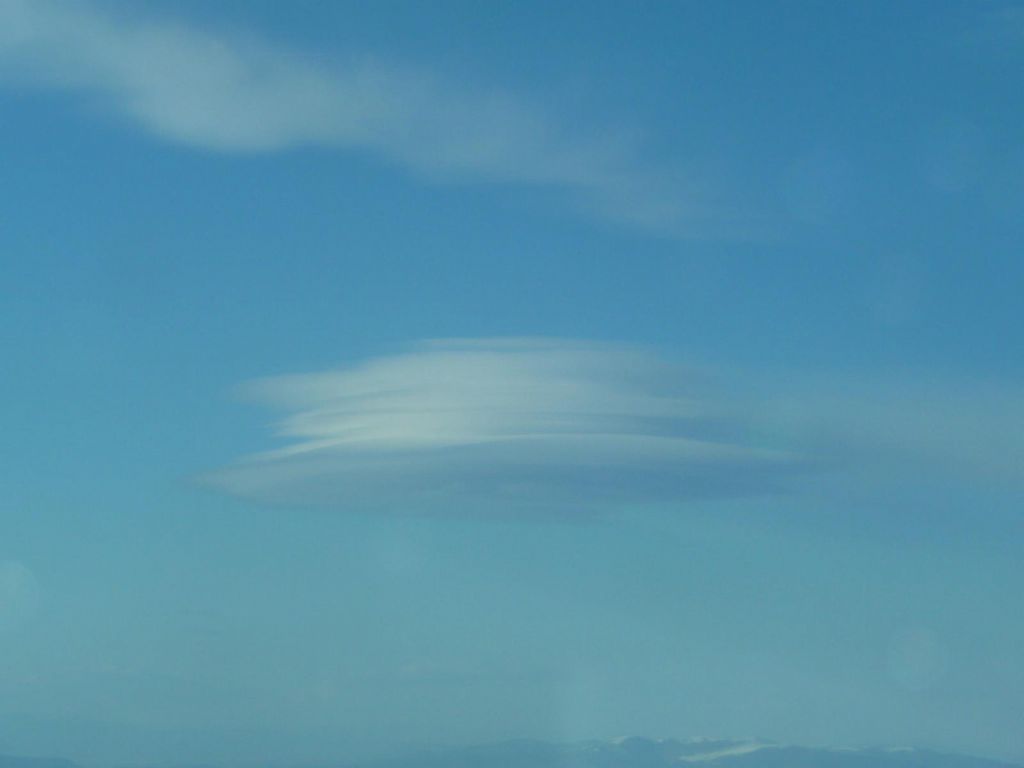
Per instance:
(481,425)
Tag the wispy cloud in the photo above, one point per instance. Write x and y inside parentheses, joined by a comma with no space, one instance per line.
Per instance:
(1000,26)
(215,92)
(490,424)
(917,427)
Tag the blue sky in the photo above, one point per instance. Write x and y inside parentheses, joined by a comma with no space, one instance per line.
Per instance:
(397,373)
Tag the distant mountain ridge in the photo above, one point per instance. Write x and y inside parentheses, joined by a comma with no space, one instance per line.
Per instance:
(638,752)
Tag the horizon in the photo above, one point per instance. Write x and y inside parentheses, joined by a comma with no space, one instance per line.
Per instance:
(724,748)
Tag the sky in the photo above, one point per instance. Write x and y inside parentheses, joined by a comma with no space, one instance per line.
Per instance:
(392,374)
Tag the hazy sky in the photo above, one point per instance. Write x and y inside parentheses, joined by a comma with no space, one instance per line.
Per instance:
(391,373)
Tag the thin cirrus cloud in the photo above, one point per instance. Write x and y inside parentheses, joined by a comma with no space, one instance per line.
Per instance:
(504,424)
(236,94)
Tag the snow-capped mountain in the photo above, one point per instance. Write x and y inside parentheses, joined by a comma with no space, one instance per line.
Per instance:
(637,752)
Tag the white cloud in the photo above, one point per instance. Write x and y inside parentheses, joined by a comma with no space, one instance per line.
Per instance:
(563,426)
(221,93)
(530,424)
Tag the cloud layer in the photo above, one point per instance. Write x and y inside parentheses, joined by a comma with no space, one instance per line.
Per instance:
(575,427)
(192,87)
(494,424)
